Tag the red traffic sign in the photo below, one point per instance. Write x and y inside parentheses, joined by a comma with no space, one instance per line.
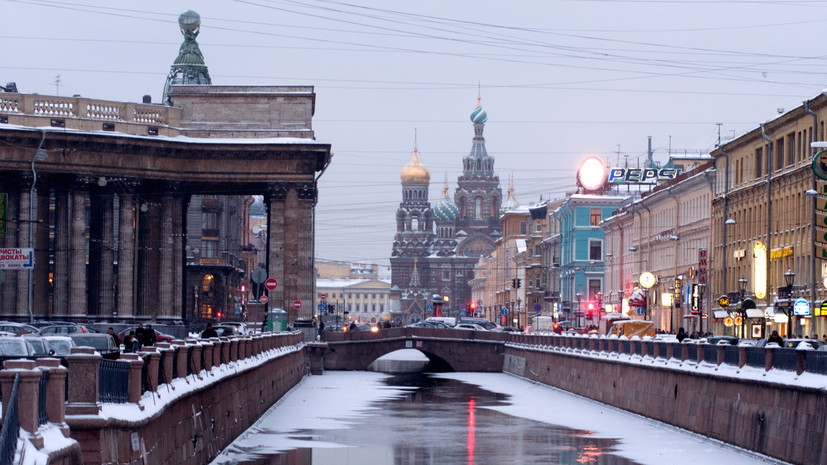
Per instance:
(263,299)
(297,304)
(271,284)
(323,296)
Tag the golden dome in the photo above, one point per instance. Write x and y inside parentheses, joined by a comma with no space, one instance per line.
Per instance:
(415,172)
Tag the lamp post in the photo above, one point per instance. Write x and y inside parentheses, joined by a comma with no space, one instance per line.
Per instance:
(579,308)
(789,278)
(742,287)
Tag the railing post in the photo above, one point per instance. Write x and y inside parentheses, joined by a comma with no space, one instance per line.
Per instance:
(742,356)
(197,348)
(181,358)
(167,354)
(55,392)
(769,359)
(234,344)
(670,351)
(84,371)
(720,354)
(136,365)
(27,392)
(207,350)
(152,368)
(225,350)
(684,352)
(800,361)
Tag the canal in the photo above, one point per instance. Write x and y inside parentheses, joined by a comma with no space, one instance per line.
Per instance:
(367,418)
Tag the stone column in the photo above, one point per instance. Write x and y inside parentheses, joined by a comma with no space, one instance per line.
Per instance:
(78,306)
(8,291)
(84,371)
(25,228)
(63,213)
(167,269)
(40,293)
(106,256)
(27,393)
(55,392)
(179,265)
(302,216)
(274,200)
(126,256)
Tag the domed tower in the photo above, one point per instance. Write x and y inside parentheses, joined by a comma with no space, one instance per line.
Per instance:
(446,214)
(413,243)
(478,195)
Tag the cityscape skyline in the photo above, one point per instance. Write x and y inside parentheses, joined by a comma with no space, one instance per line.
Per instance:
(586,78)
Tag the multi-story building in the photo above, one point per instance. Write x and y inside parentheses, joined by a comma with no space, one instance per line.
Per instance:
(764,220)
(664,232)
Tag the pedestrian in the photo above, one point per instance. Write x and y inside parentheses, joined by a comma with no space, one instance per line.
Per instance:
(387,324)
(128,344)
(824,338)
(115,338)
(139,333)
(150,338)
(352,326)
(774,337)
(209,332)
(321,328)
(681,334)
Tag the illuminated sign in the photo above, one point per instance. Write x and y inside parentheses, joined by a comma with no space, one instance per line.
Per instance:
(702,266)
(592,174)
(759,269)
(781,252)
(647,279)
(642,175)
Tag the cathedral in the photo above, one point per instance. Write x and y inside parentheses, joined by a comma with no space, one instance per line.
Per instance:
(435,249)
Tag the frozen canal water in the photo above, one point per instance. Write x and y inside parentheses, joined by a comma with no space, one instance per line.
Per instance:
(367,418)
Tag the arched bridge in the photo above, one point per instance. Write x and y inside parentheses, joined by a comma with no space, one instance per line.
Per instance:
(447,349)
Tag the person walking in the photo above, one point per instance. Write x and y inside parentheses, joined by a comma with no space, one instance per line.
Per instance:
(774,337)
(114,336)
(681,334)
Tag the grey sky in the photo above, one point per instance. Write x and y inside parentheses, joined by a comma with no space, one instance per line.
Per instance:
(560,80)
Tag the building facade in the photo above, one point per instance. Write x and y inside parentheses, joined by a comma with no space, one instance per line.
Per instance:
(435,249)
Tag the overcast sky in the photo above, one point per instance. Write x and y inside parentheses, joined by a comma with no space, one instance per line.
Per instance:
(560,80)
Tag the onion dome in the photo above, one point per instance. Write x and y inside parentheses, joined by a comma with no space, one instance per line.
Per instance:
(415,172)
(479,116)
(447,209)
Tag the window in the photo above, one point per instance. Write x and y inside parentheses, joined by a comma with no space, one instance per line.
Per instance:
(594,217)
(478,208)
(595,249)
(382,308)
(446,274)
(210,248)
(594,288)
(209,220)
(759,162)
(522,227)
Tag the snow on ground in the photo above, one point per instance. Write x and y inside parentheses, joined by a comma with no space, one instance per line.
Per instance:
(641,439)
(331,400)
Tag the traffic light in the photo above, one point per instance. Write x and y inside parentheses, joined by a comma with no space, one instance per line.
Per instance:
(219,314)
(472,306)
(519,282)
(590,310)
(514,283)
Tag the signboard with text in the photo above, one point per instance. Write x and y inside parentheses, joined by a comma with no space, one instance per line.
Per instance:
(16,259)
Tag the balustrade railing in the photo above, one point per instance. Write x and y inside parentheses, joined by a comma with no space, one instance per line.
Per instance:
(113,383)
(11,427)
(41,398)
(87,109)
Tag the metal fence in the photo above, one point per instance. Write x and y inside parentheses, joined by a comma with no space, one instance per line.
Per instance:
(11,427)
(113,381)
(41,397)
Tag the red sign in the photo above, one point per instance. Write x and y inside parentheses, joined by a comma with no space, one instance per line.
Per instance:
(323,296)
(263,299)
(297,304)
(702,266)
(271,284)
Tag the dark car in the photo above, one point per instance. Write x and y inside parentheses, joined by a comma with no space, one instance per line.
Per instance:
(103,343)
(715,340)
(428,324)
(223,331)
(485,323)
(159,336)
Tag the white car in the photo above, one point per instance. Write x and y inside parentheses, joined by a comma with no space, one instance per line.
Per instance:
(242,327)
(471,326)
(61,345)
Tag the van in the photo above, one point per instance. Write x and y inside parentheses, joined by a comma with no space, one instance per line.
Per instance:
(605,324)
(450,321)
(542,324)
(630,328)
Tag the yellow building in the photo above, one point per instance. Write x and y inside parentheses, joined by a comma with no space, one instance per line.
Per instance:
(763,216)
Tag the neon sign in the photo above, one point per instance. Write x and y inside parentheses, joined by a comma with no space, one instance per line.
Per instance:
(642,175)
(759,269)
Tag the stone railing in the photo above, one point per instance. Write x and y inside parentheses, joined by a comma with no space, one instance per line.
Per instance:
(190,360)
(771,358)
(60,111)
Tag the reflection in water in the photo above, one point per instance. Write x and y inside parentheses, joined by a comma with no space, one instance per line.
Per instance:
(444,421)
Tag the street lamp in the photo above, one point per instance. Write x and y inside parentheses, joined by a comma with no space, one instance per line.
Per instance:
(789,278)
(579,308)
(742,286)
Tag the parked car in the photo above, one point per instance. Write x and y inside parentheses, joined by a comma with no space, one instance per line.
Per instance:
(60,345)
(65,329)
(485,323)
(103,343)
(18,329)
(39,344)
(506,329)
(15,347)
(242,327)
(794,342)
(715,340)
(469,326)
(222,331)
(159,336)
(426,324)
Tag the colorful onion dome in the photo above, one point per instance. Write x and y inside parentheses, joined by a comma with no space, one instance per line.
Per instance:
(479,116)
(447,209)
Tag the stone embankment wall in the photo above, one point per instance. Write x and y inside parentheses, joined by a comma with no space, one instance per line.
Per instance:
(779,413)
